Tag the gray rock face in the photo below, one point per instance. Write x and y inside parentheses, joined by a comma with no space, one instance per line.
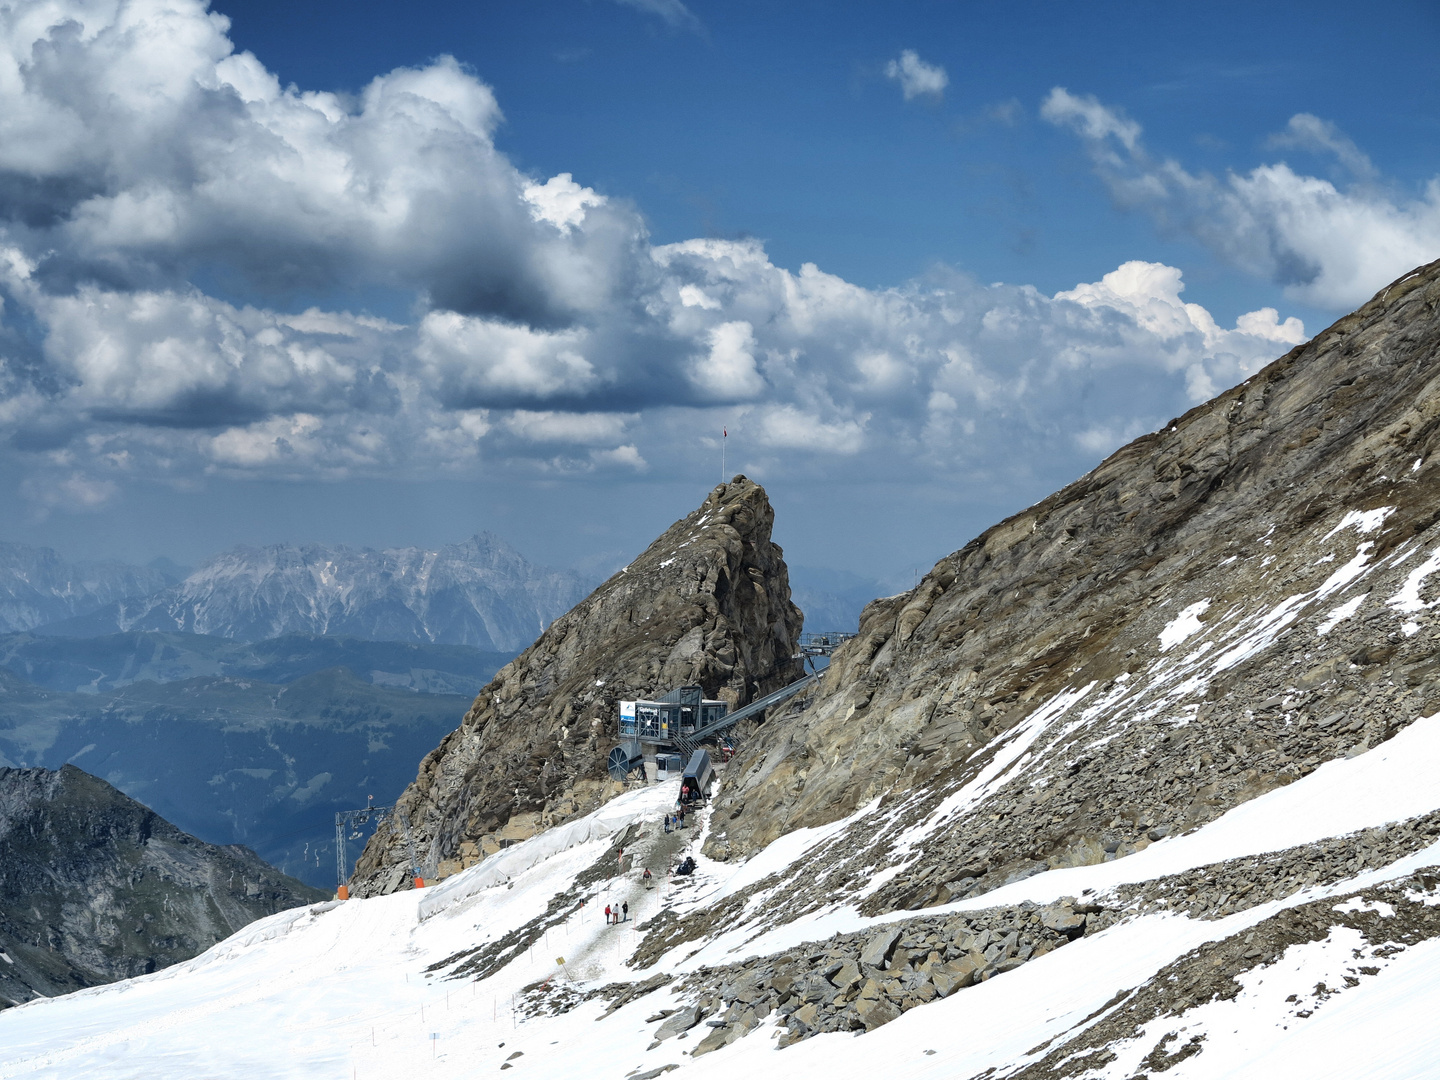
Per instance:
(1217,609)
(480,593)
(94,887)
(877,951)
(707,603)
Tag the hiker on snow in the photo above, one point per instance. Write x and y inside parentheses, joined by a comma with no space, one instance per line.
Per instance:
(607,914)
(625,911)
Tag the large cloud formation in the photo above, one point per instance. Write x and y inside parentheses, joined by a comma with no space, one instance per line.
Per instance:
(1327,246)
(164,201)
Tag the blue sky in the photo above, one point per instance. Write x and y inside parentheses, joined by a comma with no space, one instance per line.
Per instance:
(388,274)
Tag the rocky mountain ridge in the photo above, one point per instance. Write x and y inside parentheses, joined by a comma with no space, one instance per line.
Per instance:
(95,887)
(707,603)
(1222,606)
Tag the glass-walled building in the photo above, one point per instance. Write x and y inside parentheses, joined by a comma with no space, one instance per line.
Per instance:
(680,712)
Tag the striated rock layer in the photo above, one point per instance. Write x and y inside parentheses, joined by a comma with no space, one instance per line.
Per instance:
(707,603)
(95,887)
(1214,611)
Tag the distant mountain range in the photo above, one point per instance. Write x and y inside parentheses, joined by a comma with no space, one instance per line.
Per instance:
(38,587)
(482,593)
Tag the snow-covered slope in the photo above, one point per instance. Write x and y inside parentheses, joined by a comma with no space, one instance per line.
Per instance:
(1334,979)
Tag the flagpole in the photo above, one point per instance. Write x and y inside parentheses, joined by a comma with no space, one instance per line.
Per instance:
(724,434)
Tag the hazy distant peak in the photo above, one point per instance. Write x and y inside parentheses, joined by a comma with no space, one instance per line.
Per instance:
(480,592)
(38,586)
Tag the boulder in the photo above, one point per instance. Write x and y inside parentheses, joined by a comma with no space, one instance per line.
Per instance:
(847,974)
(1062,919)
(717,1038)
(878,949)
(875,1012)
(955,975)
(683,1020)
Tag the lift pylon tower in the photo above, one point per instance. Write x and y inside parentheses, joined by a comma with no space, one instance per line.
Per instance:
(348,822)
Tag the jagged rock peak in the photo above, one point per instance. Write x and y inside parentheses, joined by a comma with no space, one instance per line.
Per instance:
(707,603)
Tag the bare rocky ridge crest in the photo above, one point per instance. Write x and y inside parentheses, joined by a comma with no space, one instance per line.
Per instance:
(707,603)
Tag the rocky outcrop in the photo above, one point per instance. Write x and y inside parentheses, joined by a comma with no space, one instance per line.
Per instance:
(95,887)
(1217,609)
(707,603)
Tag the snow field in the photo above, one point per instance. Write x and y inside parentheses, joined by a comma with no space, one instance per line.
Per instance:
(339,990)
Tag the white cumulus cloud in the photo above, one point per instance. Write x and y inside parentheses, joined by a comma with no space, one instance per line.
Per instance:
(560,201)
(1328,245)
(141,156)
(916,77)
(727,371)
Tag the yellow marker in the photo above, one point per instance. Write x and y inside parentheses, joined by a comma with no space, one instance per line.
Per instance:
(560,960)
